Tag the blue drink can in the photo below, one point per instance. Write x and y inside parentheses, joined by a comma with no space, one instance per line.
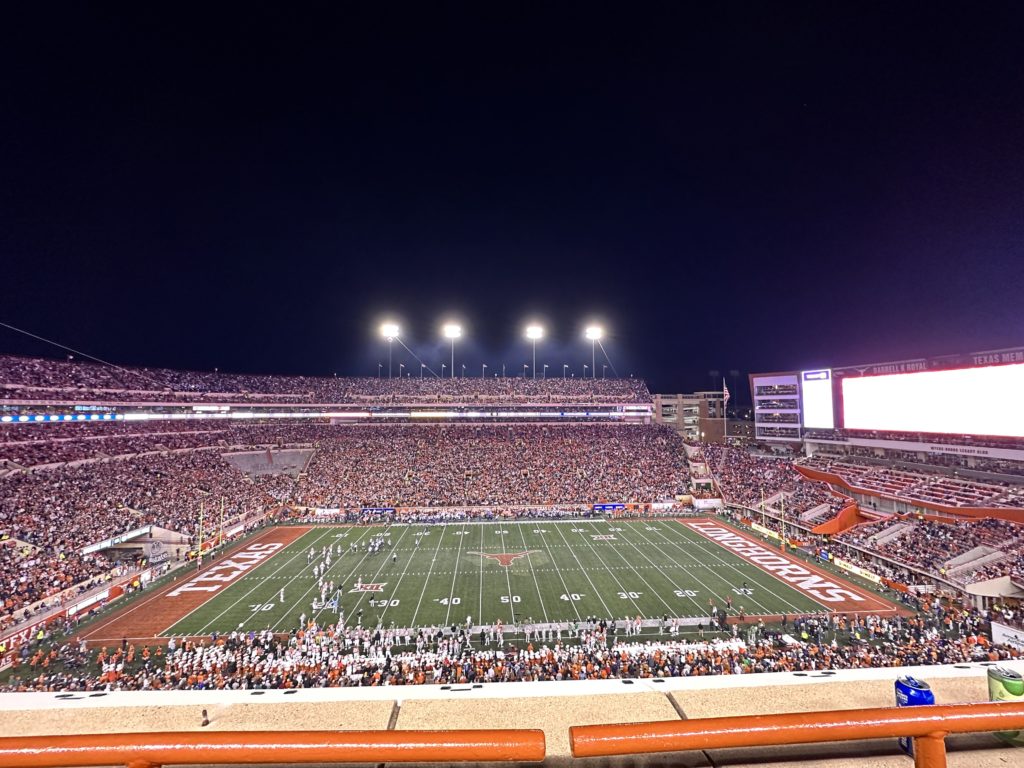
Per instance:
(911,692)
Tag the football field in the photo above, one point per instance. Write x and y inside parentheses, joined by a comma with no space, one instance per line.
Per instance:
(516,572)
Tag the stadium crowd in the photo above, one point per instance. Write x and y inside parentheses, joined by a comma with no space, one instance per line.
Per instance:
(746,478)
(330,656)
(931,546)
(29,379)
(495,465)
(52,511)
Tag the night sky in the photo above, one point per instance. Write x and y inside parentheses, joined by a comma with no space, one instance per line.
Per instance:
(724,186)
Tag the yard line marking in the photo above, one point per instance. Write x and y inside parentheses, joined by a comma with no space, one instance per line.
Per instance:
(455,575)
(341,582)
(481,614)
(587,575)
(646,583)
(508,579)
(258,584)
(672,581)
(772,590)
(533,571)
(362,595)
(444,527)
(609,569)
(399,582)
(557,570)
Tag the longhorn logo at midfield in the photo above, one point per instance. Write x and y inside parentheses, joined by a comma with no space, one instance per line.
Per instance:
(505,558)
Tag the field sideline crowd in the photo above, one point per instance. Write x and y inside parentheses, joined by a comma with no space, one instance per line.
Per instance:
(328,657)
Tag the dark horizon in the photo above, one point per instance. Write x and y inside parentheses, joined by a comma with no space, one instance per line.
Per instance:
(738,188)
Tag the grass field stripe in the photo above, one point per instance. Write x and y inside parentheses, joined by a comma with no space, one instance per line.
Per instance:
(533,571)
(554,564)
(359,601)
(455,575)
(653,564)
(610,572)
(258,583)
(700,610)
(635,528)
(481,614)
(586,574)
(339,561)
(426,580)
(773,590)
(699,543)
(292,604)
(300,603)
(508,577)
(771,587)
(405,570)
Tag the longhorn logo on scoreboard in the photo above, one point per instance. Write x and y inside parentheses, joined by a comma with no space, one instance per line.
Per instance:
(368,587)
(504,558)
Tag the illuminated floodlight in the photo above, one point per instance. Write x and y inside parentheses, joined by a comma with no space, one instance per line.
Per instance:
(534,332)
(452,331)
(594,332)
(389,331)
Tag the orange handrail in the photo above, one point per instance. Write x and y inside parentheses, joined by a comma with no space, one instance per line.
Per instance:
(246,747)
(928,727)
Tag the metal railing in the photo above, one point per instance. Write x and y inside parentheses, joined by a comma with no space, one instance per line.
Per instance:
(147,750)
(927,726)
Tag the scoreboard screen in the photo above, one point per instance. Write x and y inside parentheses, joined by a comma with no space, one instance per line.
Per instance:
(964,401)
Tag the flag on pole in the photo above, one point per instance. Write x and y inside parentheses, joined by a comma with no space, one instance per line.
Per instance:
(725,392)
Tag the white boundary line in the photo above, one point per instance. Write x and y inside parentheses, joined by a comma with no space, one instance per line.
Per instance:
(540,596)
(256,585)
(632,527)
(702,545)
(455,575)
(426,580)
(561,578)
(597,592)
(640,575)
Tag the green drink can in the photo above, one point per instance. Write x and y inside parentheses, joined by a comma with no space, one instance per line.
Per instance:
(1006,685)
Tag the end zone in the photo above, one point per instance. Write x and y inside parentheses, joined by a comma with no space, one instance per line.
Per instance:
(830,592)
(152,616)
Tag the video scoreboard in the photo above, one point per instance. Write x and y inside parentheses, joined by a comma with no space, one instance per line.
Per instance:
(977,394)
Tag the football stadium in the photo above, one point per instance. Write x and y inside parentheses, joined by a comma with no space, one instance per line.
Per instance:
(576,385)
(207,537)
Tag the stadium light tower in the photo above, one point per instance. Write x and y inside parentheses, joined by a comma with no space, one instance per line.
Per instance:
(595,333)
(453,332)
(534,332)
(390,332)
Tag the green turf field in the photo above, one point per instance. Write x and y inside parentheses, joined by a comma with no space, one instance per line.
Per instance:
(438,577)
